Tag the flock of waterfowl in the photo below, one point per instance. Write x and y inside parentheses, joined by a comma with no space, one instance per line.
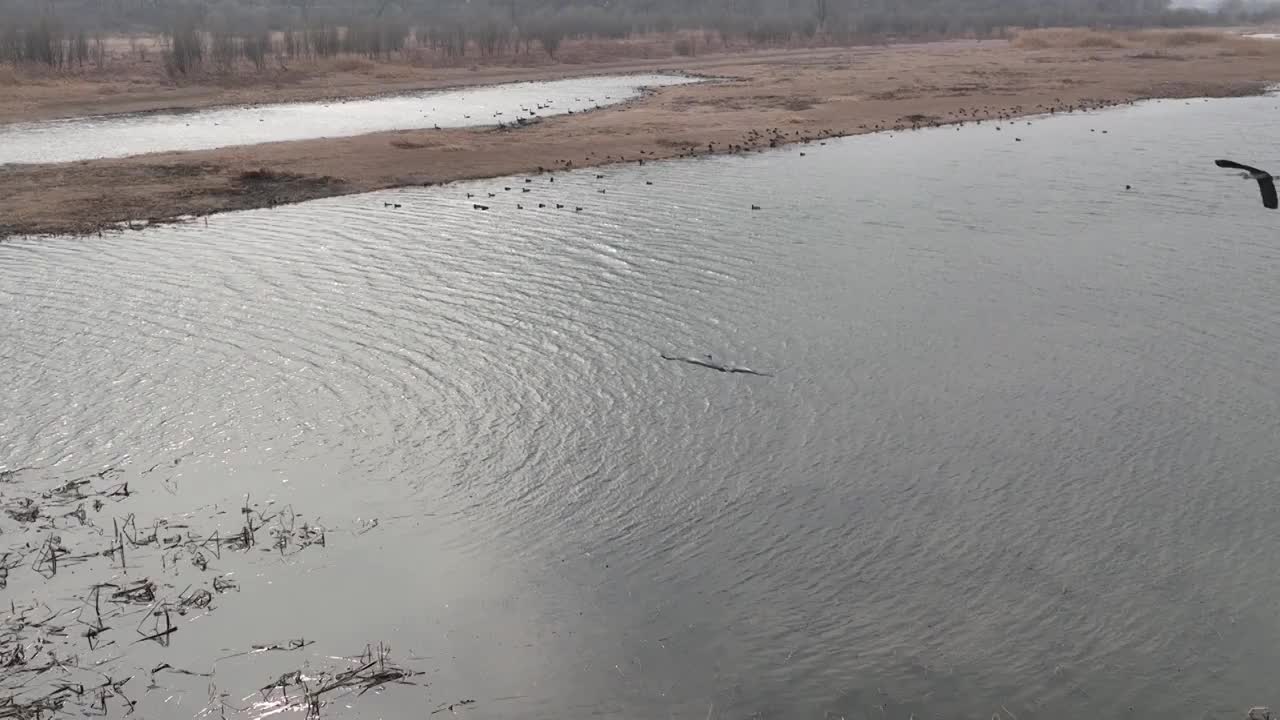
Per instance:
(759,140)
(521,121)
(532,112)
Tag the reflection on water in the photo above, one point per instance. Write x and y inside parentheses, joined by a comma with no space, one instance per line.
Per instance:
(1017,458)
(122,135)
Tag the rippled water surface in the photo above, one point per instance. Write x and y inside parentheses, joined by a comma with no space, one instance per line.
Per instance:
(135,134)
(1018,456)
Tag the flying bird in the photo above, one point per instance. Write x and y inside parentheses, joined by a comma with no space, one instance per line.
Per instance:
(708,362)
(1265,182)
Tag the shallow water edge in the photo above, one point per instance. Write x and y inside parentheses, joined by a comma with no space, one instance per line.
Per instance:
(799,93)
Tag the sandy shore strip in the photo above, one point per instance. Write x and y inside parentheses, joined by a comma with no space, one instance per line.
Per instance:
(760,100)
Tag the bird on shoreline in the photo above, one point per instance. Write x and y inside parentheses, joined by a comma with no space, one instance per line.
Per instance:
(1266,183)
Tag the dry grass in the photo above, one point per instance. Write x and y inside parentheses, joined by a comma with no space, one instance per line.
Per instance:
(1179,38)
(353,64)
(1070,38)
(1156,55)
(408,144)
(1151,44)
(1066,38)
(134,78)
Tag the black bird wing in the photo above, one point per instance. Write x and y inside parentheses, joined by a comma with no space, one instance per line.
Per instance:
(1237,166)
(1268,187)
(1265,182)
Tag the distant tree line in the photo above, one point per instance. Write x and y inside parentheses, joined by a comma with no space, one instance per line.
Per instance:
(225,34)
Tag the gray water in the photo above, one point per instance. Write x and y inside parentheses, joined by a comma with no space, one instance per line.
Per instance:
(135,134)
(1018,457)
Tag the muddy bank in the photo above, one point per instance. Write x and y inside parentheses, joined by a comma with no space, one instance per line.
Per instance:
(761,101)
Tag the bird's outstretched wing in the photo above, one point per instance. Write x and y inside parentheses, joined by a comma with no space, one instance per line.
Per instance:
(1268,187)
(1266,183)
(749,371)
(1237,166)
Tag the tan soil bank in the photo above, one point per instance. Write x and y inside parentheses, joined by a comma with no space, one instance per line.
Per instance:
(800,93)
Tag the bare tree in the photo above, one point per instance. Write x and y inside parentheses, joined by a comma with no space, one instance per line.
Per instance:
(821,10)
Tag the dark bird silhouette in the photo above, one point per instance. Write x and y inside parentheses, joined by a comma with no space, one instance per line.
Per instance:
(1265,182)
(478,206)
(707,361)
(755,207)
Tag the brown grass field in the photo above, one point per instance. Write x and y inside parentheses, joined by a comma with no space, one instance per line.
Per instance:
(802,93)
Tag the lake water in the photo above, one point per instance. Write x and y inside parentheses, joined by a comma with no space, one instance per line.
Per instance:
(1017,458)
(135,134)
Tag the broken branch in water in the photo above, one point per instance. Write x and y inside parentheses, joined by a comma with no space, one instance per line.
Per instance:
(166,667)
(372,670)
(451,707)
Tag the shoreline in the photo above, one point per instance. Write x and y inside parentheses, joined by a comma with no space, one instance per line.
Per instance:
(36,101)
(757,102)
(215,103)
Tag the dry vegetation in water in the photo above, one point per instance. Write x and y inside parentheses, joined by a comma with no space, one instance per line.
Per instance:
(74,652)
